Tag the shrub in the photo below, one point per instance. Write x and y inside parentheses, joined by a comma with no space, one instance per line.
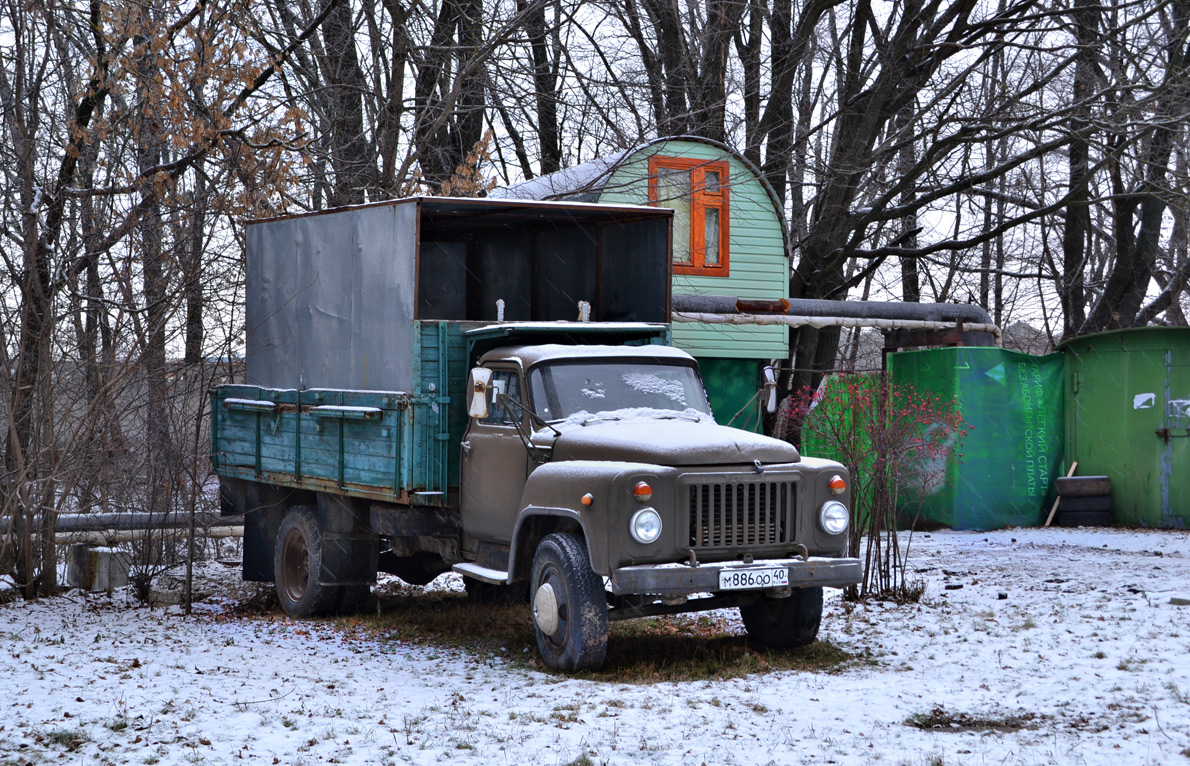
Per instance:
(897,443)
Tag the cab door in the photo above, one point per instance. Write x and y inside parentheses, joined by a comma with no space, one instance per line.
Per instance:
(493,467)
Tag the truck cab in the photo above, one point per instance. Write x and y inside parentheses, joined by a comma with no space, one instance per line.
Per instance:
(595,475)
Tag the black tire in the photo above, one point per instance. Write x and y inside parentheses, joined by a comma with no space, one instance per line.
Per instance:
(1080,504)
(301,561)
(783,623)
(577,626)
(1083,486)
(1084,518)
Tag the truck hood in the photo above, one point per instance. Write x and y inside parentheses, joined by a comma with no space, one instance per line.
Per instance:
(664,441)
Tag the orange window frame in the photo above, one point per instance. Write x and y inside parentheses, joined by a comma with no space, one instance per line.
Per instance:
(700,201)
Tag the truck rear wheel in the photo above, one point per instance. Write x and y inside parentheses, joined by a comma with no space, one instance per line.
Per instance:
(569,605)
(783,623)
(298,564)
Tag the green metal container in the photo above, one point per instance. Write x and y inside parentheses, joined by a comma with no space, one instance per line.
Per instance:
(1012,404)
(731,390)
(1002,474)
(1128,417)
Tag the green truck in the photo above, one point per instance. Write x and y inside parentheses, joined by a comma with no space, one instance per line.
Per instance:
(487,386)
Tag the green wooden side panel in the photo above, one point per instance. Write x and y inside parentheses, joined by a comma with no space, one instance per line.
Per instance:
(288,437)
(440,370)
(759,263)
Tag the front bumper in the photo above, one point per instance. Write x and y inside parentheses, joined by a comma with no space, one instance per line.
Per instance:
(683,579)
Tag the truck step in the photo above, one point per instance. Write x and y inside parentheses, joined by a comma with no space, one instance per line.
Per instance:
(483,574)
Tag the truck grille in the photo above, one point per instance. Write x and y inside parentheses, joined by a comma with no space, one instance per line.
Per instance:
(734,514)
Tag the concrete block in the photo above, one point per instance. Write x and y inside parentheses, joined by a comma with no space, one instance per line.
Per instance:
(97,569)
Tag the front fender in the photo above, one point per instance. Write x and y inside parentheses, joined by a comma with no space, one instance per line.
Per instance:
(558,489)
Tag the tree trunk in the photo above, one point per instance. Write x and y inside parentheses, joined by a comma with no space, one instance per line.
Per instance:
(545,80)
(351,158)
(1077,231)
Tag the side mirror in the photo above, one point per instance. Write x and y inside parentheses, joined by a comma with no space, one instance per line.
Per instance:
(769,390)
(477,392)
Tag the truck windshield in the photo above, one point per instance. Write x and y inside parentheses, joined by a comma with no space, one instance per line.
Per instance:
(563,389)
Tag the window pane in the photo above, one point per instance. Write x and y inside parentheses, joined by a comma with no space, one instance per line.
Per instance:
(673,192)
(500,412)
(632,389)
(711,231)
(710,182)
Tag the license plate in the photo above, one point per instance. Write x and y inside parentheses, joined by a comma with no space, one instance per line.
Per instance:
(761,577)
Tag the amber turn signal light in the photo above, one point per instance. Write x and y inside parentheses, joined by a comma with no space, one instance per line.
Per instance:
(642,492)
(837,485)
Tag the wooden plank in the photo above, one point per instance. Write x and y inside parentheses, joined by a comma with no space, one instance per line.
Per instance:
(1053,509)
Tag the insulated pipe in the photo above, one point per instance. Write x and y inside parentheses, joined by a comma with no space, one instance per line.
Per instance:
(89,522)
(114,536)
(834,321)
(806,307)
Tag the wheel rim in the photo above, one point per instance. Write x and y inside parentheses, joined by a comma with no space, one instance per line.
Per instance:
(295,566)
(545,609)
(559,638)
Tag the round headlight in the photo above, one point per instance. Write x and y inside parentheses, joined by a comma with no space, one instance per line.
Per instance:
(833,518)
(645,526)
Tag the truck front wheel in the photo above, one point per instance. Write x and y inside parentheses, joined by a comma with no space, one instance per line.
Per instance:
(297,564)
(569,605)
(783,623)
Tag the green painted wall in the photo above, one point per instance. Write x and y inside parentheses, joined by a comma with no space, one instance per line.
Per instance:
(1003,473)
(759,265)
(1128,418)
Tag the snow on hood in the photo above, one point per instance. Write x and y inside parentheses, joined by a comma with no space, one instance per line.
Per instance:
(666,437)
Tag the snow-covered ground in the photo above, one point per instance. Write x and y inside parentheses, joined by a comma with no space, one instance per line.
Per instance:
(1076,635)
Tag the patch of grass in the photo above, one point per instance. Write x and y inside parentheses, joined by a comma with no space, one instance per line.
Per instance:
(639,655)
(1100,655)
(941,719)
(582,760)
(675,648)
(71,739)
(261,600)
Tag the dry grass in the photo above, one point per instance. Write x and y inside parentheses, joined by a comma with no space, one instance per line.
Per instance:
(941,719)
(679,648)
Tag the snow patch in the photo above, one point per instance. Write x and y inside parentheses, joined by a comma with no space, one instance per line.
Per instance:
(1070,626)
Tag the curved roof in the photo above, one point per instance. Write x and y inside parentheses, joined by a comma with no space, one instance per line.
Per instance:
(1123,332)
(585,182)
